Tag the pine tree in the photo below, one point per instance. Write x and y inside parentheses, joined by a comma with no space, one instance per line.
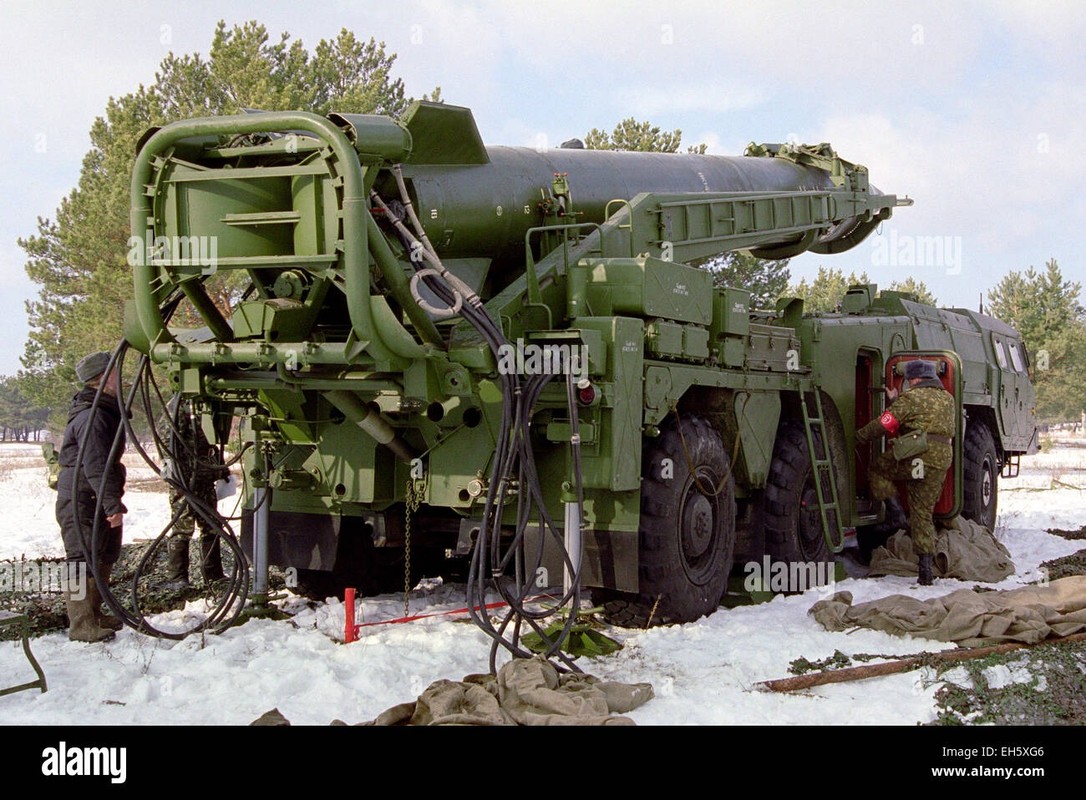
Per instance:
(1038,305)
(825,292)
(1057,375)
(915,287)
(765,279)
(19,418)
(1046,310)
(641,137)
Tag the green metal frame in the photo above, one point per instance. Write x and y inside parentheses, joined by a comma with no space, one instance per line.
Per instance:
(379,333)
(10,618)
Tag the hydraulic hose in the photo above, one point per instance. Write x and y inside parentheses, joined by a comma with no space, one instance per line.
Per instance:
(513,471)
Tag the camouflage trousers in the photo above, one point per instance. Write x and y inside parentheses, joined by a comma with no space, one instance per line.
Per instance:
(187,518)
(922,492)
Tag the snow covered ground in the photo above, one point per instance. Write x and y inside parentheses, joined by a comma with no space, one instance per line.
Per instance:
(702,673)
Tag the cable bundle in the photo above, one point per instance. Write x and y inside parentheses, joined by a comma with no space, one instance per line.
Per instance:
(498,561)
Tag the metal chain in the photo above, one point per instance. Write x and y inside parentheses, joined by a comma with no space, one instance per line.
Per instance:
(411,505)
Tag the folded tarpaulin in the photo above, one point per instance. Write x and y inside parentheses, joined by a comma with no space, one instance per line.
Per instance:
(963,550)
(970,618)
(524,692)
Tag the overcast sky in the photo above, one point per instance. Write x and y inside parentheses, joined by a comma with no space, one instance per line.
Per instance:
(975,110)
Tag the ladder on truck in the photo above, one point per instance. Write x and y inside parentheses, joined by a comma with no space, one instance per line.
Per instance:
(829,509)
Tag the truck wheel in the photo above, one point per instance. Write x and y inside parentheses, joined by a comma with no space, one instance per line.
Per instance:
(381,573)
(980,475)
(316,584)
(359,565)
(687,530)
(788,508)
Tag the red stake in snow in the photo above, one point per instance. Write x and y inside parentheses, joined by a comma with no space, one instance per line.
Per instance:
(350,629)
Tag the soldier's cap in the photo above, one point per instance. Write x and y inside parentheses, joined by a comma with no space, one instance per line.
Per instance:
(90,367)
(919,369)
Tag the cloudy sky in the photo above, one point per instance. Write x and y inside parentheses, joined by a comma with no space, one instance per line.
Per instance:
(975,110)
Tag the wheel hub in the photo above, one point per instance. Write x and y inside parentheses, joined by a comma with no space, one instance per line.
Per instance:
(697,524)
(986,485)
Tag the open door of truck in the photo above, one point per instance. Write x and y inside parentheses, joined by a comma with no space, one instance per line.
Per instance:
(949,370)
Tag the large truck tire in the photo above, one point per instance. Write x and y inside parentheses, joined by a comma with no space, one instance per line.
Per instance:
(788,508)
(980,475)
(687,529)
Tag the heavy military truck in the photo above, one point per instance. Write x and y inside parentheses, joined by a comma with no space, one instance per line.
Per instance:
(443,353)
(858,352)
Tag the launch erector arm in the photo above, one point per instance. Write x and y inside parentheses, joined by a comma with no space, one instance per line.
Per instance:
(284,197)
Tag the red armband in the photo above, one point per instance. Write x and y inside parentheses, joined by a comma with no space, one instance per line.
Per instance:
(889,422)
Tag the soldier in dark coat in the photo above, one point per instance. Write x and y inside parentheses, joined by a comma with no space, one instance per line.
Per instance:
(929,408)
(78,493)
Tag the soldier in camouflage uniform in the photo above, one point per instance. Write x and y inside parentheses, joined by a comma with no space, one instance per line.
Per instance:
(925,406)
(196,465)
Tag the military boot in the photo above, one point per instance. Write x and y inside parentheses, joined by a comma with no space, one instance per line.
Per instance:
(177,564)
(211,557)
(94,592)
(82,626)
(924,569)
(896,518)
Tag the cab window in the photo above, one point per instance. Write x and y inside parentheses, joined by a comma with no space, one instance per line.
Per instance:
(1001,357)
(1016,357)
